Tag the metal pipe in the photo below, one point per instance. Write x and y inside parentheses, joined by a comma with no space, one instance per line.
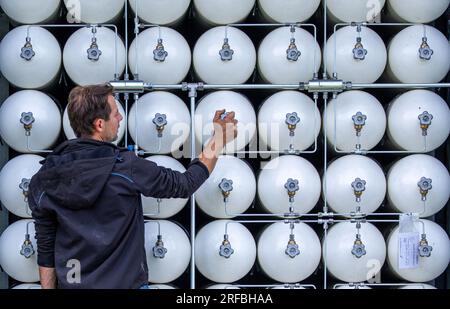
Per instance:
(192,95)
(36,150)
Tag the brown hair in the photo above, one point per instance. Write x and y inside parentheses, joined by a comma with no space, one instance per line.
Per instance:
(86,104)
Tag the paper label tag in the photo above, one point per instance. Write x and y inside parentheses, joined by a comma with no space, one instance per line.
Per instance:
(408,251)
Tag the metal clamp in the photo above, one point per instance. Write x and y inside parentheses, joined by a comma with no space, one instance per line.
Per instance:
(425,121)
(27,51)
(358,249)
(226,53)
(292,248)
(24,186)
(226,186)
(359,186)
(425,52)
(225,249)
(359,121)
(158,250)
(27,247)
(424,248)
(159,54)
(27,119)
(359,52)
(424,185)
(160,121)
(292,119)
(292,187)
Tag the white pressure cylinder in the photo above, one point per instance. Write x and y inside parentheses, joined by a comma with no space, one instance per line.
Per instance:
(160,62)
(89,62)
(350,260)
(220,260)
(289,254)
(161,287)
(284,61)
(70,134)
(160,12)
(416,11)
(284,175)
(30,11)
(355,119)
(418,120)
(354,182)
(229,190)
(17,258)
(429,268)
(93,12)
(412,60)
(418,183)
(27,286)
(159,122)
(352,287)
(164,208)
(418,286)
(169,256)
(358,62)
(218,12)
(230,101)
(29,111)
(356,10)
(31,65)
(222,287)
(289,11)
(15,178)
(289,120)
(224,61)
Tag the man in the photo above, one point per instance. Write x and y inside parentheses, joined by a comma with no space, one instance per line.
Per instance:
(86,198)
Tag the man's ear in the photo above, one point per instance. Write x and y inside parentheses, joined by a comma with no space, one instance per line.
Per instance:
(99,125)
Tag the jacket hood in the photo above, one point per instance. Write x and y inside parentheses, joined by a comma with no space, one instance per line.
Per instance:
(75,173)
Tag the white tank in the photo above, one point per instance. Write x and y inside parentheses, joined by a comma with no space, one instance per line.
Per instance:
(346,259)
(290,11)
(222,287)
(284,287)
(418,120)
(159,12)
(230,101)
(357,10)
(283,61)
(70,134)
(353,62)
(281,174)
(161,287)
(416,11)
(353,182)
(165,62)
(218,12)
(352,128)
(167,260)
(288,120)
(407,65)
(88,62)
(30,11)
(429,268)
(27,286)
(15,177)
(167,207)
(17,259)
(229,190)
(239,56)
(418,286)
(147,122)
(286,260)
(28,67)
(26,106)
(424,189)
(224,261)
(353,287)
(93,12)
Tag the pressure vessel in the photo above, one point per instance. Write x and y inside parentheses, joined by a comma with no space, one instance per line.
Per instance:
(357,10)
(27,286)
(218,12)
(290,11)
(32,64)
(15,178)
(30,11)
(416,11)
(93,12)
(29,112)
(159,12)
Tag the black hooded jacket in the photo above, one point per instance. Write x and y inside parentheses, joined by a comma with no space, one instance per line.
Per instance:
(86,202)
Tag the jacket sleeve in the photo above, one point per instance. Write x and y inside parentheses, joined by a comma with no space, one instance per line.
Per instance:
(160,182)
(45,225)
